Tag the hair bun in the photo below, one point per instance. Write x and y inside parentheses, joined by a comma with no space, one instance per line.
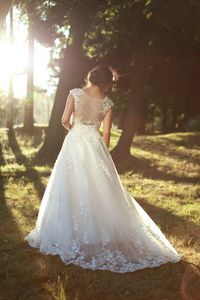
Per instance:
(102,76)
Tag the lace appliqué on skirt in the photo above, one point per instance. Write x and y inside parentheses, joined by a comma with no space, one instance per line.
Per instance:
(102,165)
(83,255)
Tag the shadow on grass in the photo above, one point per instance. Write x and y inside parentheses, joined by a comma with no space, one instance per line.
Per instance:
(20,270)
(14,281)
(188,140)
(145,168)
(38,134)
(167,146)
(172,224)
(31,173)
(171,281)
(162,146)
(150,283)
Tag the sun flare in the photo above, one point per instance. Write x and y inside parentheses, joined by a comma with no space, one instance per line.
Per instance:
(14,62)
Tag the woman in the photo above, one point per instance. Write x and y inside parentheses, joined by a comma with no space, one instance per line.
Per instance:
(86,216)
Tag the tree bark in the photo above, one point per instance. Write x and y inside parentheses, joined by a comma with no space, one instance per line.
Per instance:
(164,121)
(143,117)
(122,117)
(134,112)
(11,33)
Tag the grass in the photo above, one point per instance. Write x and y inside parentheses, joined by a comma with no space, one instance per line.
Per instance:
(163,175)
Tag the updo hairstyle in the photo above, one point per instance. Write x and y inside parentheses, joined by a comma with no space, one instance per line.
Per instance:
(102,76)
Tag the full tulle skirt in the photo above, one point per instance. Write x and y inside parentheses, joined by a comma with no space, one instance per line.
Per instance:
(88,218)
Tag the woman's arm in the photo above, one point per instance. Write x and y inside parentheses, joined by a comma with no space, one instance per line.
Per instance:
(107,124)
(69,107)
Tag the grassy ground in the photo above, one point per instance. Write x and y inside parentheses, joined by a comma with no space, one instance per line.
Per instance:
(163,175)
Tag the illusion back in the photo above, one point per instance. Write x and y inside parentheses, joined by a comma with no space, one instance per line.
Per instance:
(87,109)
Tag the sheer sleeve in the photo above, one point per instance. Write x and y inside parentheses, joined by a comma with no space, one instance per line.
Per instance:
(75,93)
(107,105)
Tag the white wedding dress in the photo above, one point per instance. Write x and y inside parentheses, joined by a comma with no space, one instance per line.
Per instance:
(86,215)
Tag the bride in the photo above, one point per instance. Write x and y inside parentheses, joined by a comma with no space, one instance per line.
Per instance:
(86,215)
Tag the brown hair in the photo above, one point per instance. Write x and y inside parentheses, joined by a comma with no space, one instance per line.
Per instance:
(102,76)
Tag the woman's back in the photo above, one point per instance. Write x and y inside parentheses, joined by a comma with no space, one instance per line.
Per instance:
(88,109)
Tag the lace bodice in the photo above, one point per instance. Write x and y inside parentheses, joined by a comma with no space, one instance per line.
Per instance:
(87,109)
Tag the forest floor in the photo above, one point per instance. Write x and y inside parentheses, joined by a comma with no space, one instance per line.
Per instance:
(163,175)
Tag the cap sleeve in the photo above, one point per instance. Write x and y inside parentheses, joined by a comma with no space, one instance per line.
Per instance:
(75,92)
(107,105)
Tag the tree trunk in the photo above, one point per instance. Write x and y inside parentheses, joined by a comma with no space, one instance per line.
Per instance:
(135,104)
(134,112)
(164,121)
(10,121)
(122,117)
(72,70)
(142,122)
(28,113)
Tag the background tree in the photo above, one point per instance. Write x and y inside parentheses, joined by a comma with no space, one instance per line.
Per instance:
(28,109)
(11,40)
